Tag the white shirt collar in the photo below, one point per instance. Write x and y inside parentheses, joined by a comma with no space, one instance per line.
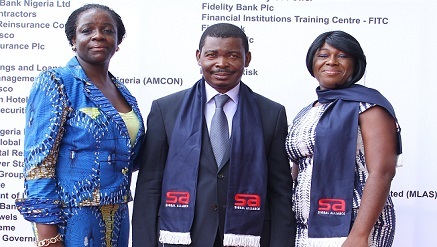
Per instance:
(211,92)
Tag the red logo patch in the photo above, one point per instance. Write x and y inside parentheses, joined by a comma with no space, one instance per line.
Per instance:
(332,205)
(247,200)
(178,197)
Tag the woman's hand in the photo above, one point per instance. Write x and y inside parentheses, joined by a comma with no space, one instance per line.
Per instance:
(46,231)
(353,241)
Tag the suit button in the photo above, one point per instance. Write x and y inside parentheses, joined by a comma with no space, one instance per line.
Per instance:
(214,207)
(221,176)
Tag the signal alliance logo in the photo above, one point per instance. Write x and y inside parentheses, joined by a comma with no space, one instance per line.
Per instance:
(177,199)
(332,206)
(247,202)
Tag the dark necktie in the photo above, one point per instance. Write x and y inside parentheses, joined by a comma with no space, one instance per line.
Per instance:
(219,134)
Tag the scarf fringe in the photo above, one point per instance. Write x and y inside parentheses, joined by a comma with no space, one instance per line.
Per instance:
(167,237)
(400,161)
(241,240)
(326,242)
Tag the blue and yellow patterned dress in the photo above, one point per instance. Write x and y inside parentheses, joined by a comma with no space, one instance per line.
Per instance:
(79,158)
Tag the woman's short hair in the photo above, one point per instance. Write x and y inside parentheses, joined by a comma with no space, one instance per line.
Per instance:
(343,42)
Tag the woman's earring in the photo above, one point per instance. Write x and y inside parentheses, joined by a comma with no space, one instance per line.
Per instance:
(118,48)
(73,47)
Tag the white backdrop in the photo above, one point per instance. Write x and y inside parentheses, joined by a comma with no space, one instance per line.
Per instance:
(157,57)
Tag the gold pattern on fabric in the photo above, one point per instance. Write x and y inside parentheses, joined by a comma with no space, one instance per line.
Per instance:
(94,201)
(108,214)
(45,170)
(92,112)
(47,167)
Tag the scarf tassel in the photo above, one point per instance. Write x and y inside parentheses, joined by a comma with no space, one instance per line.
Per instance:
(326,242)
(174,237)
(241,240)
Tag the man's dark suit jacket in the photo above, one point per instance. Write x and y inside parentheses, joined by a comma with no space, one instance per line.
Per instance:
(208,226)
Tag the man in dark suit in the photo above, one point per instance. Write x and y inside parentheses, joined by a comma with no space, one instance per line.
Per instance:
(185,195)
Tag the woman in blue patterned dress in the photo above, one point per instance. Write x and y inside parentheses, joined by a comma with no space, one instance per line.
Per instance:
(82,136)
(344,148)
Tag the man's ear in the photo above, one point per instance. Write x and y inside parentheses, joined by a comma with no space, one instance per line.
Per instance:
(248,59)
(198,53)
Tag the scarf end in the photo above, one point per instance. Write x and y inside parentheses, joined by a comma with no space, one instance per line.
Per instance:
(241,240)
(326,242)
(167,237)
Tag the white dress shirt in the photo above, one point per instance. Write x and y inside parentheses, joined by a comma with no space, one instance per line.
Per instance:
(229,108)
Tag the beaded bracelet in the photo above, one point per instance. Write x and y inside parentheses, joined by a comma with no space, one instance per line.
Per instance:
(48,241)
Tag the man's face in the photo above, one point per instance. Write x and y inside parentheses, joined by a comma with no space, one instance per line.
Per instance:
(223,61)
